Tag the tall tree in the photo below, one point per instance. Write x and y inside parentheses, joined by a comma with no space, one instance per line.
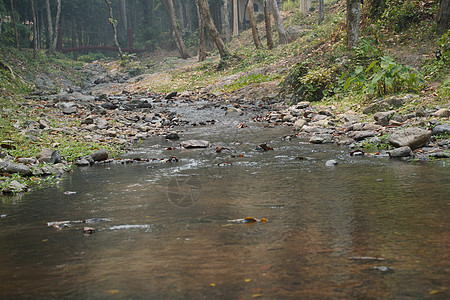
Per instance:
(443,16)
(282,33)
(13,16)
(49,23)
(202,41)
(235,18)
(251,14)
(113,23)
(170,10)
(206,15)
(305,5)
(353,20)
(321,13)
(226,19)
(123,18)
(35,37)
(268,24)
(56,32)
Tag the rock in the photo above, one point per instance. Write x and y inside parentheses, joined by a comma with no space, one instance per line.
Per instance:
(413,137)
(82,162)
(99,155)
(43,124)
(302,105)
(362,135)
(300,123)
(382,118)
(321,139)
(26,160)
(331,163)
(442,113)
(233,110)
(102,123)
(70,110)
(401,152)
(45,155)
(55,158)
(189,144)
(172,136)
(14,187)
(109,105)
(12,168)
(171,95)
(441,129)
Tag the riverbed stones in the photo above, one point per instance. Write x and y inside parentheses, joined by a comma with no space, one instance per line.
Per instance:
(321,139)
(99,155)
(382,118)
(12,168)
(413,137)
(172,136)
(442,113)
(192,144)
(331,163)
(441,129)
(44,155)
(14,187)
(401,152)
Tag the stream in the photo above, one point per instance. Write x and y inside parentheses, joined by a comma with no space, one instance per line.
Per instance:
(367,228)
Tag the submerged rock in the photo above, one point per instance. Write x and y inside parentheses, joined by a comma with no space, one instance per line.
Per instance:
(331,163)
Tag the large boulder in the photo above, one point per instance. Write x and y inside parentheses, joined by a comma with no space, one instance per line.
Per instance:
(413,137)
(100,155)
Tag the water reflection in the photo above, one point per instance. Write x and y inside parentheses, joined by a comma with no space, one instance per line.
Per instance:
(169,235)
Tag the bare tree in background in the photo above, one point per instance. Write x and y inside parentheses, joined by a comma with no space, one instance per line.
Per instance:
(443,16)
(321,13)
(113,23)
(170,10)
(212,30)
(235,18)
(53,31)
(35,38)
(226,18)
(268,24)
(123,18)
(353,20)
(251,14)
(282,33)
(305,5)
(202,41)
(13,16)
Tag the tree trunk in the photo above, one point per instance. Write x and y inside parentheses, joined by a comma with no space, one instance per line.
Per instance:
(170,10)
(202,42)
(50,24)
(443,20)
(305,6)
(1,23)
(251,14)
(123,19)
(226,18)
(206,15)
(353,19)
(55,32)
(282,34)
(15,25)
(321,13)
(35,39)
(114,27)
(268,24)
(235,18)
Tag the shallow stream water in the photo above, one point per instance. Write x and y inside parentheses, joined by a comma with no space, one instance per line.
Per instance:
(368,228)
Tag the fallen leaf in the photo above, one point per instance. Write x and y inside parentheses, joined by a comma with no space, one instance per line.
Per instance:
(212,284)
(257,295)
(113,292)
(247,280)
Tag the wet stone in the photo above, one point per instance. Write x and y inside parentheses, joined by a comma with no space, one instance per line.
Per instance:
(413,137)
(401,152)
(190,144)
